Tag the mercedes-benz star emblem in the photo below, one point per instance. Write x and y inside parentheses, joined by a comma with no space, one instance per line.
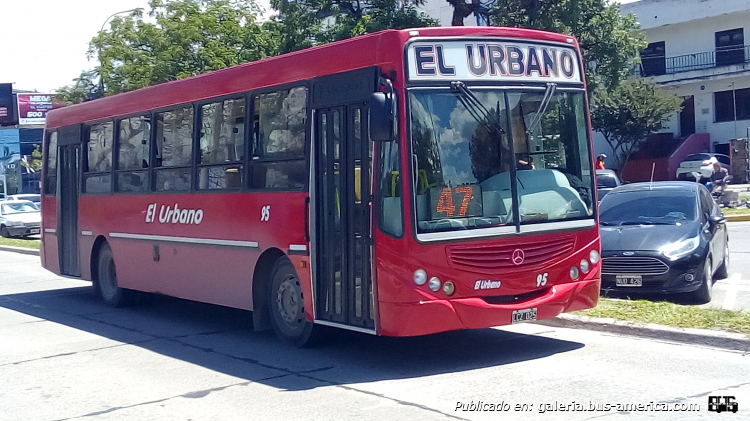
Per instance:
(517,256)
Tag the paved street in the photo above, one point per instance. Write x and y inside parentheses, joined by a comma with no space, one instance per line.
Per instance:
(733,293)
(65,356)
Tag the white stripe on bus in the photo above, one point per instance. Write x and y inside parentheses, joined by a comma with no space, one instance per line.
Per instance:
(187,240)
(298,247)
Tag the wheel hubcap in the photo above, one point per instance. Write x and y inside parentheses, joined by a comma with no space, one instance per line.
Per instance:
(289,301)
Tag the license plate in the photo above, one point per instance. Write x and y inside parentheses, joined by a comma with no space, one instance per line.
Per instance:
(525,315)
(34,231)
(629,281)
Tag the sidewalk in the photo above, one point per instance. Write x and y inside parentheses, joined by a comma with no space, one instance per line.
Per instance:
(22,250)
(712,338)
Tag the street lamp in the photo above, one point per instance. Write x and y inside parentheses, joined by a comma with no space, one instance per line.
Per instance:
(101,77)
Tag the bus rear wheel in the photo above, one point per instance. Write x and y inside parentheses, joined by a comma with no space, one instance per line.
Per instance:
(106,283)
(287,306)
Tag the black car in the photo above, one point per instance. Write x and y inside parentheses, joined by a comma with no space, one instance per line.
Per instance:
(663,237)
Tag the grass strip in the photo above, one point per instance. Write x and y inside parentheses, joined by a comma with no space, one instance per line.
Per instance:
(670,314)
(20,242)
(735,211)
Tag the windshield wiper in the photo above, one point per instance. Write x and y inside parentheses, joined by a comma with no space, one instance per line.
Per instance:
(478,111)
(548,93)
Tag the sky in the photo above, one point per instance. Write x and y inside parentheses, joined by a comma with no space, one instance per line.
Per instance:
(45,41)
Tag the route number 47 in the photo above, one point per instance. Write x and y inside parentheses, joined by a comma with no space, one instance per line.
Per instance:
(541,279)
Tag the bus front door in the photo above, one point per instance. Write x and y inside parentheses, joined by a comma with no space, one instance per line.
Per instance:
(342,237)
(67,208)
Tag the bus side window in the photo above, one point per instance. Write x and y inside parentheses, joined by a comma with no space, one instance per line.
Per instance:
(391,208)
(280,126)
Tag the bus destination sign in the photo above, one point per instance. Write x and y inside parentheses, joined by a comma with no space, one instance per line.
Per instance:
(455,60)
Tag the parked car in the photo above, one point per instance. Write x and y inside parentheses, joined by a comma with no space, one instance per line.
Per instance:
(606,180)
(663,237)
(19,218)
(699,166)
(36,198)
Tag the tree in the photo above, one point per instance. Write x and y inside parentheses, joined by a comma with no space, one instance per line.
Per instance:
(631,112)
(181,38)
(85,88)
(609,41)
(304,23)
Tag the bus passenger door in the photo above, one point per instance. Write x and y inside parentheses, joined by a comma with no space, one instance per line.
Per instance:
(69,158)
(342,197)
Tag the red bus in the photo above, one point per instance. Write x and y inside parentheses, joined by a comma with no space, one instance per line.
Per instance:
(400,183)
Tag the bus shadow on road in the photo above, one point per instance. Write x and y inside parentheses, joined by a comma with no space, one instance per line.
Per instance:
(222,339)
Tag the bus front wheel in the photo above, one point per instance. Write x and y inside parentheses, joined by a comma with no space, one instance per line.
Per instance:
(106,282)
(286,304)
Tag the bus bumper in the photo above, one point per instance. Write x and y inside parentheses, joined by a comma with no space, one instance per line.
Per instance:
(433,316)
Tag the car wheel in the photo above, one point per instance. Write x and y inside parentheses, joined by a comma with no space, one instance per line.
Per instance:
(287,306)
(703,294)
(106,282)
(723,271)
(4,231)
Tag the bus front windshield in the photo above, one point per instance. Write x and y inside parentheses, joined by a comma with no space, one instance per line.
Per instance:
(470,147)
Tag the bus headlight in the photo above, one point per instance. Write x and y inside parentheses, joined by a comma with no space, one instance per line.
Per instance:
(594,257)
(574,273)
(420,277)
(449,288)
(584,266)
(435,283)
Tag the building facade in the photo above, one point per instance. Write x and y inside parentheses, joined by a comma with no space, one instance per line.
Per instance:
(698,49)
(20,150)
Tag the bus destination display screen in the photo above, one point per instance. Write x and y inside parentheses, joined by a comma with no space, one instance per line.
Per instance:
(451,202)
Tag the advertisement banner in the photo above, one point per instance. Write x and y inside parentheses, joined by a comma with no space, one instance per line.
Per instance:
(33,108)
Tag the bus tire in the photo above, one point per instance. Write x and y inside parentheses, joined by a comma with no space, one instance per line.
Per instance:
(286,305)
(106,280)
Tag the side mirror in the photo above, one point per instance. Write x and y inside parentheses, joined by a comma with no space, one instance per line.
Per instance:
(717,219)
(382,117)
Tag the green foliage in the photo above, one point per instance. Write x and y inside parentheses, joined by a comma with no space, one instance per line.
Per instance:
(629,113)
(304,23)
(609,41)
(35,163)
(86,87)
(178,39)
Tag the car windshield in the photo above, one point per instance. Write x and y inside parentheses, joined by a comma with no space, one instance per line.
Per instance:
(467,144)
(647,207)
(20,207)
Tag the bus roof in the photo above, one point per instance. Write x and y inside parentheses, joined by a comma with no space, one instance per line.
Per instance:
(361,51)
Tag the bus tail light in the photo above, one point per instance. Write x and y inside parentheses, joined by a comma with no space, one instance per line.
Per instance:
(574,273)
(420,277)
(449,288)
(435,283)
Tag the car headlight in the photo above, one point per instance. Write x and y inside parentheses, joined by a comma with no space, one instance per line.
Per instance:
(681,248)
(15,223)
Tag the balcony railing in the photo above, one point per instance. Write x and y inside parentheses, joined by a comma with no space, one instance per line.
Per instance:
(659,65)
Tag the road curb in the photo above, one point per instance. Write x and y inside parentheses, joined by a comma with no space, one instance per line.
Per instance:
(738,218)
(22,250)
(712,338)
